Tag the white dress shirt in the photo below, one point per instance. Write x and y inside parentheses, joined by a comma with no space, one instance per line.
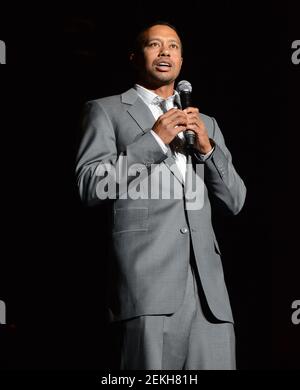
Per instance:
(153,102)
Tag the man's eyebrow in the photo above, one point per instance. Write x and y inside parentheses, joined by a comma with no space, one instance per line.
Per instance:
(159,39)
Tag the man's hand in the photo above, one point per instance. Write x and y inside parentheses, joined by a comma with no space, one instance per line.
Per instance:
(170,124)
(195,123)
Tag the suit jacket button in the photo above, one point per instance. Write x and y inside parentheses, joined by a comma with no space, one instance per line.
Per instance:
(184,230)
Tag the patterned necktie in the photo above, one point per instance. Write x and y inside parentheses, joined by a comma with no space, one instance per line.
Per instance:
(177,144)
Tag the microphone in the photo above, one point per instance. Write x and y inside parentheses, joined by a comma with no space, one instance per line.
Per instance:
(184,88)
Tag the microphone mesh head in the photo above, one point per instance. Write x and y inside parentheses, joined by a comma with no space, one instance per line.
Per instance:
(184,86)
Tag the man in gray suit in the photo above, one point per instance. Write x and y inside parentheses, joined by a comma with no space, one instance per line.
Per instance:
(167,290)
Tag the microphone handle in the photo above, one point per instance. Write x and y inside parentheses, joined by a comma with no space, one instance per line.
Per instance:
(190,138)
(186,99)
(189,135)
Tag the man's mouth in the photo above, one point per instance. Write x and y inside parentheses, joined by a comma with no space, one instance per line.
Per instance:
(163,66)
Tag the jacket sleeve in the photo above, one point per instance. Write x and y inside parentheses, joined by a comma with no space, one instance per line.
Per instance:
(101,172)
(226,189)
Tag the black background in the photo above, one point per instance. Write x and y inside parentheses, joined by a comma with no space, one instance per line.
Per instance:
(54,252)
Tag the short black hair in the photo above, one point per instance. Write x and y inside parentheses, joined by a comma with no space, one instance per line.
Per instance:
(138,42)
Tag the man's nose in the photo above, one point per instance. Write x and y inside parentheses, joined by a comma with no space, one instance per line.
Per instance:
(164,51)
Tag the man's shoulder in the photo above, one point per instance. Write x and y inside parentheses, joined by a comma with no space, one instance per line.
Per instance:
(105,101)
(114,100)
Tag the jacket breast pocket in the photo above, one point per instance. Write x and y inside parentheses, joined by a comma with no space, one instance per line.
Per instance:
(130,219)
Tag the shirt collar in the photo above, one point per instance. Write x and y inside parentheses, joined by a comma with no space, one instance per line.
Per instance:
(150,97)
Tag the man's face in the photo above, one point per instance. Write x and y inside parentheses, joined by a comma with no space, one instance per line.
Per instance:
(161,59)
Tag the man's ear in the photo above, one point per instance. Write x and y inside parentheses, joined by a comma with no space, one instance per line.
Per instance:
(134,60)
(131,57)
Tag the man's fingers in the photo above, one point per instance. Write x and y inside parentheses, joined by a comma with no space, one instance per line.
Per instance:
(173,112)
(180,128)
(191,110)
(180,116)
(170,112)
(176,119)
(192,126)
(193,117)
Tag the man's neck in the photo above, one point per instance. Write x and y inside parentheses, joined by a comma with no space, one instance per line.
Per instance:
(163,91)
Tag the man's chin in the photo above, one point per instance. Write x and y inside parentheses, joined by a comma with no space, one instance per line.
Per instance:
(164,79)
(156,81)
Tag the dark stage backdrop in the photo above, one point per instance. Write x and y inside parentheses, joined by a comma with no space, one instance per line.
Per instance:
(55,253)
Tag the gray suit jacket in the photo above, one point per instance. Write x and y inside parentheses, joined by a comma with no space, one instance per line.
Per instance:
(151,237)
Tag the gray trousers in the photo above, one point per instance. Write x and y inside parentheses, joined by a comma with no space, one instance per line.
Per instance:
(185,340)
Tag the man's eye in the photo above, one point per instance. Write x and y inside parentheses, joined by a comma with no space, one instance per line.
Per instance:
(174,46)
(154,44)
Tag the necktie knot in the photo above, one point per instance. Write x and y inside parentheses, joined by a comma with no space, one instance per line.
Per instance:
(160,102)
(163,105)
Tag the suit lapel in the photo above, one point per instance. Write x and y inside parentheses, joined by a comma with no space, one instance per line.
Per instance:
(142,115)
(138,110)
(171,164)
